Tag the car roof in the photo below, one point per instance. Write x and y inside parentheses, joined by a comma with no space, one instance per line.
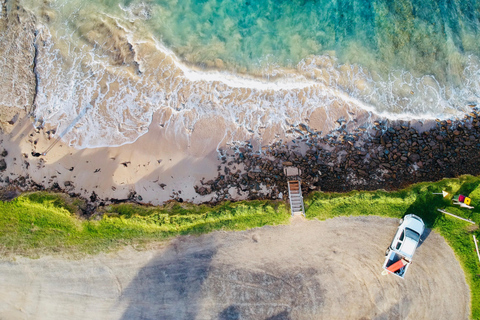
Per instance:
(413,222)
(408,247)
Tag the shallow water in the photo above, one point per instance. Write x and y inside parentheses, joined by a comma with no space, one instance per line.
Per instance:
(253,64)
(415,36)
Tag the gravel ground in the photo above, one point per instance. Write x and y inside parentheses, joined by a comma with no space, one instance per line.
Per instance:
(306,270)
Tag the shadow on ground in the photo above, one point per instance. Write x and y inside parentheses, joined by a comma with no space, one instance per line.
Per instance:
(192,279)
(170,286)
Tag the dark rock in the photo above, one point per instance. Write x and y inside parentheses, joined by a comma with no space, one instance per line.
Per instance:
(9,194)
(14,119)
(3,165)
(93,197)
(414,157)
(394,146)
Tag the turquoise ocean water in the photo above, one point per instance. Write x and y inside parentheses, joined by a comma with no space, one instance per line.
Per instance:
(254,63)
(424,37)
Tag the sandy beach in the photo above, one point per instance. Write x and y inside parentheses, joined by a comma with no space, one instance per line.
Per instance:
(157,167)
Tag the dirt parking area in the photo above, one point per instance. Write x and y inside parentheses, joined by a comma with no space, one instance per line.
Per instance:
(306,270)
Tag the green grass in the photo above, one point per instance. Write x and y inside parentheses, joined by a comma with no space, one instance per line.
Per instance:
(45,223)
(38,223)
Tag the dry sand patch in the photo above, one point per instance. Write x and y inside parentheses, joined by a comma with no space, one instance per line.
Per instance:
(306,270)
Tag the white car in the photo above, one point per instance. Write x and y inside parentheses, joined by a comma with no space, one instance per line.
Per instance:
(408,236)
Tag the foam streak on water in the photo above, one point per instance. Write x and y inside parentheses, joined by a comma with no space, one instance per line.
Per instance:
(112,58)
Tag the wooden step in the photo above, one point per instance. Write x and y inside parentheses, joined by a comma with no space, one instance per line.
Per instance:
(296,199)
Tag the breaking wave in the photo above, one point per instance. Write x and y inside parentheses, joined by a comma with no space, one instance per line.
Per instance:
(104,70)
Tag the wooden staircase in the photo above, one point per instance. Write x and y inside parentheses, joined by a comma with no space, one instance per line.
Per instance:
(296,199)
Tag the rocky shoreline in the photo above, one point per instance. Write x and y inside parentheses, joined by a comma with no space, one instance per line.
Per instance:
(389,155)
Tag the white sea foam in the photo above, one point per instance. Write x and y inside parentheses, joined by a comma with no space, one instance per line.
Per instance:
(15,69)
(73,74)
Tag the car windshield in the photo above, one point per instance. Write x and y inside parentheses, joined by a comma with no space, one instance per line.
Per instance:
(409,233)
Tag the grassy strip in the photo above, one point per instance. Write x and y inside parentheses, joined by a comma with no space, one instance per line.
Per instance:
(43,223)
(417,199)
